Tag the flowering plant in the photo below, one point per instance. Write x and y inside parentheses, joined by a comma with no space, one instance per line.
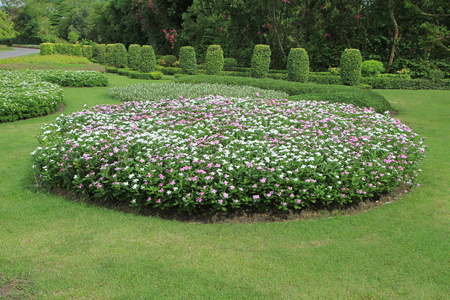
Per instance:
(219,153)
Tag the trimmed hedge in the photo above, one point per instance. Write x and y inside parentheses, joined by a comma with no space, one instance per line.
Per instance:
(87,51)
(371,68)
(148,61)
(188,60)
(134,56)
(167,60)
(406,84)
(100,53)
(260,61)
(156,75)
(109,55)
(298,65)
(46,48)
(120,56)
(214,60)
(168,71)
(229,63)
(343,94)
(350,66)
(76,50)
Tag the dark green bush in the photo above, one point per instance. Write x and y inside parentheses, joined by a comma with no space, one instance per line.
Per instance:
(156,75)
(67,49)
(397,82)
(167,60)
(279,76)
(124,72)
(188,61)
(351,67)
(58,48)
(214,60)
(298,65)
(360,97)
(87,51)
(371,68)
(169,71)
(109,55)
(46,48)
(100,53)
(76,50)
(134,56)
(139,75)
(120,56)
(260,61)
(324,79)
(148,61)
(229,63)
(111,70)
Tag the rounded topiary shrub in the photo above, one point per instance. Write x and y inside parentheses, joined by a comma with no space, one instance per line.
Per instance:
(109,55)
(188,61)
(120,56)
(260,61)
(351,67)
(100,53)
(214,60)
(87,51)
(148,61)
(371,68)
(298,65)
(134,56)
(76,50)
(46,48)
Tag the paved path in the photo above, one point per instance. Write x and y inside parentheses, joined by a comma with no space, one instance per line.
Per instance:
(18,52)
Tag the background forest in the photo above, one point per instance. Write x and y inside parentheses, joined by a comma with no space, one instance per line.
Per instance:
(400,33)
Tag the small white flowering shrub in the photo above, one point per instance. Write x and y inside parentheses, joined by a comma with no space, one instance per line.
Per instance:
(218,153)
(23,95)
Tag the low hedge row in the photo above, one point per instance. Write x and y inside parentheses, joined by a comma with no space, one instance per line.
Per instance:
(155,75)
(332,93)
(75,78)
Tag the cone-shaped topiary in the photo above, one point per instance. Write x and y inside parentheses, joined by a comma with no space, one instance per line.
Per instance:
(100,53)
(76,50)
(298,65)
(148,61)
(351,66)
(134,56)
(214,60)
(260,61)
(120,56)
(87,51)
(46,48)
(188,61)
(109,55)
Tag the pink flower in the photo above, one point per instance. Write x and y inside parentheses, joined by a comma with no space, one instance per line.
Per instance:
(358,16)
(221,28)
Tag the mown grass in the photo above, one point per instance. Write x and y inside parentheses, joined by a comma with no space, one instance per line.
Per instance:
(62,249)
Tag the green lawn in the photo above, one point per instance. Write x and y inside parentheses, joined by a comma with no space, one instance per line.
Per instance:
(51,247)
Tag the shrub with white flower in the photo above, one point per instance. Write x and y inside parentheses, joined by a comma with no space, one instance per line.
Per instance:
(218,153)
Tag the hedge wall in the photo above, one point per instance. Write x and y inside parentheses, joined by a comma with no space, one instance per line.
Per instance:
(214,60)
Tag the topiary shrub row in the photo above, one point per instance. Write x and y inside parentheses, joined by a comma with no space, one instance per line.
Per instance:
(298,65)
(351,60)
(61,48)
(148,61)
(134,56)
(260,61)
(214,60)
(87,51)
(394,82)
(46,48)
(368,98)
(188,61)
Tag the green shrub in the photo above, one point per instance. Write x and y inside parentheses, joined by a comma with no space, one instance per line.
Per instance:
(298,65)
(111,70)
(134,56)
(46,48)
(169,70)
(324,79)
(109,55)
(229,63)
(214,60)
(156,75)
(260,61)
(67,49)
(334,71)
(371,68)
(397,82)
(148,61)
(120,56)
(188,61)
(74,78)
(167,60)
(139,75)
(100,53)
(124,72)
(58,48)
(363,98)
(87,51)
(351,67)
(76,50)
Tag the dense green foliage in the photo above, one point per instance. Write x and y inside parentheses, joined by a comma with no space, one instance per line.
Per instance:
(46,48)
(350,66)
(214,60)
(109,55)
(167,60)
(76,50)
(75,78)
(298,65)
(134,56)
(371,68)
(188,60)
(100,53)
(87,51)
(120,56)
(260,61)
(339,93)
(148,61)
(229,63)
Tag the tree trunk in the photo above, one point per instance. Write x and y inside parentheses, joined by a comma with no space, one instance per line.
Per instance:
(276,31)
(394,39)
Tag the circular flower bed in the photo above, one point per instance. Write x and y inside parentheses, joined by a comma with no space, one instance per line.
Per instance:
(219,153)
